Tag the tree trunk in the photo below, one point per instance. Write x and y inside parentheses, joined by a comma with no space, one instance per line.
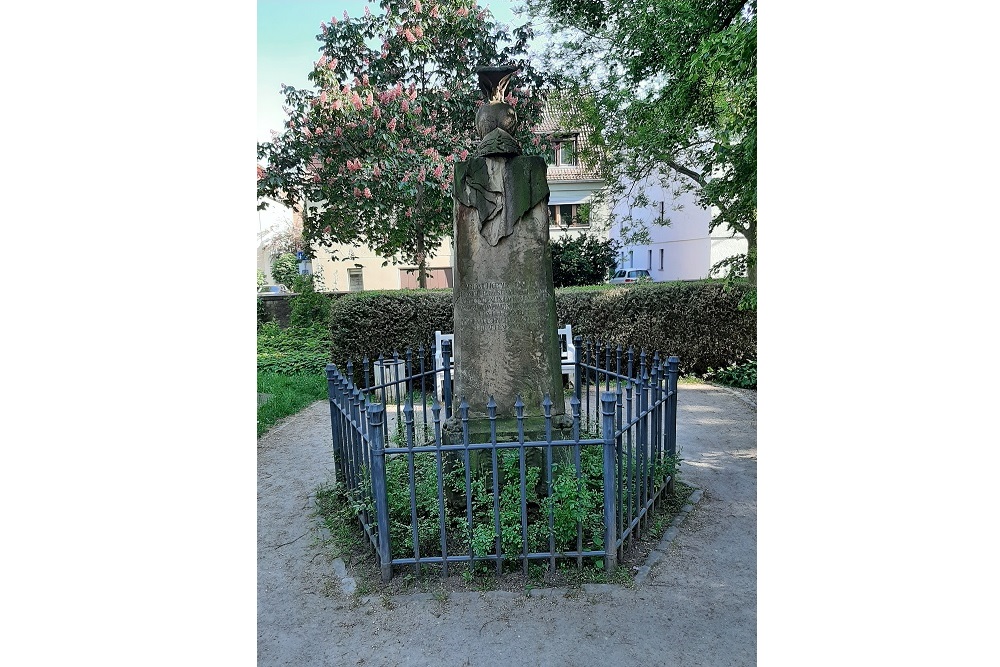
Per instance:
(421,261)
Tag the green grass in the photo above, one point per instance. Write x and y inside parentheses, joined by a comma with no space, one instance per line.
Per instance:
(288,395)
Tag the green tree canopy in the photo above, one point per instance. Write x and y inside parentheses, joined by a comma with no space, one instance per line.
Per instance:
(285,269)
(582,259)
(371,148)
(665,85)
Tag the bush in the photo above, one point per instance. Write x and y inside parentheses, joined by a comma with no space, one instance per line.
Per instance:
(582,259)
(699,321)
(743,375)
(309,307)
(372,323)
(292,351)
(284,269)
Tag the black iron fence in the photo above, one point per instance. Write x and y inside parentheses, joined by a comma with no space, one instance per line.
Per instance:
(433,489)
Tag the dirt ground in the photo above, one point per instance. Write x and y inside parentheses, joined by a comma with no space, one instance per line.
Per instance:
(697,606)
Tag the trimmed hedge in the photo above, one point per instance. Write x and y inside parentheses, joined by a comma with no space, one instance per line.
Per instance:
(698,321)
(372,323)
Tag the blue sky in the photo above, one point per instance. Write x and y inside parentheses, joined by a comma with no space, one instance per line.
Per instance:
(287,47)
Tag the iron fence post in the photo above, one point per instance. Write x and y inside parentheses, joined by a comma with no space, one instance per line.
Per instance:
(578,344)
(610,530)
(673,366)
(331,392)
(375,417)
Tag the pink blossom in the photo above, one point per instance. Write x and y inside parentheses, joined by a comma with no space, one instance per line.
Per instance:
(416,7)
(333,63)
(364,79)
(346,17)
(337,131)
(405,105)
(357,192)
(333,20)
(322,97)
(423,175)
(409,36)
(427,130)
(367,193)
(535,140)
(376,172)
(447,95)
(260,172)
(462,11)
(464,154)
(437,171)
(319,131)
(369,100)
(392,125)
(337,105)
(418,31)
(326,230)
(376,113)
(434,11)
(367,12)
(321,61)
(356,101)
(406,177)
(354,165)
(409,212)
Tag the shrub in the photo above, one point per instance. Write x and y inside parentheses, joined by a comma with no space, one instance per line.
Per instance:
(583,259)
(291,351)
(284,269)
(309,307)
(700,321)
(743,375)
(372,323)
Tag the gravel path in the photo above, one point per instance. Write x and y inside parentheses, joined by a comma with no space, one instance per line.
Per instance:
(696,607)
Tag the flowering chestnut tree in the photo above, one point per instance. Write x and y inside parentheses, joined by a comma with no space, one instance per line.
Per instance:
(370,150)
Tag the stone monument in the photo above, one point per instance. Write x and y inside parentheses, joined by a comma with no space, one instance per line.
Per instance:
(506,343)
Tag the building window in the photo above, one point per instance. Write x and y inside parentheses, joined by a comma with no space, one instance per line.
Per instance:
(649,264)
(560,151)
(356,282)
(576,216)
(661,259)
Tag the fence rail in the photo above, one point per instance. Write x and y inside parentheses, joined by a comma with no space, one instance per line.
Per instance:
(427,493)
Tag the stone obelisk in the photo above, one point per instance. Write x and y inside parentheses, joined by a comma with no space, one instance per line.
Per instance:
(506,343)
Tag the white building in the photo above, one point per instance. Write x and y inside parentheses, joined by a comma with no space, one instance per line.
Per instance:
(680,246)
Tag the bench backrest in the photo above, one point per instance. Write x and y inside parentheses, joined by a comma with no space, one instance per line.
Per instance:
(566,347)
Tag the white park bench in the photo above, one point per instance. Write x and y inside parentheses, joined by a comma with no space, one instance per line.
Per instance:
(566,348)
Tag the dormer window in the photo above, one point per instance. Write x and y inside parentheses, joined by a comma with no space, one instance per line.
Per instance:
(560,151)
